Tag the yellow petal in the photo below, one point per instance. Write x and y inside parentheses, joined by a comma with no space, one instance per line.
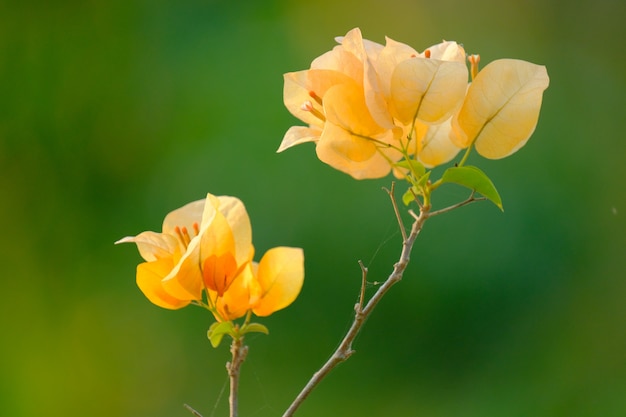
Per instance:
(280,275)
(351,154)
(429,90)
(244,291)
(344,105)
(149,276)
(435,146)
(184,281)
(238,221)
(297,135)
(502,107)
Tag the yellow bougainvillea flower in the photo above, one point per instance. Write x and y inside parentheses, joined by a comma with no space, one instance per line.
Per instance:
(206,248)
(344,117)
(362,99)
(501,108)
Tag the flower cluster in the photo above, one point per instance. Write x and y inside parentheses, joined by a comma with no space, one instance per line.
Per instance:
(204,255)
(368,106)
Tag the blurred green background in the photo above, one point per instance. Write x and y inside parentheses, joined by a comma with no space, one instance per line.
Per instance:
(114,113)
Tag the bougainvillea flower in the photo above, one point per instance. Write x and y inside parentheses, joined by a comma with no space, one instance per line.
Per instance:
(339,108)
(266,287)
(361,99)
(501,108)
(205,244)
(205,248)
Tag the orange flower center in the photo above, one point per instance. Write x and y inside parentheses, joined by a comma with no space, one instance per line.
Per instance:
(219,271)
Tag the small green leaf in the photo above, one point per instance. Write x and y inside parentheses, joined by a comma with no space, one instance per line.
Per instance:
(254,328)
(218,330)
(413,165)
(474,179)
(408,197)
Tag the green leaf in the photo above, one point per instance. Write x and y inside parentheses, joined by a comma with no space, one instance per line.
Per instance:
(254,328)
(218,330)
(409,197)
(474,179)
(413,165)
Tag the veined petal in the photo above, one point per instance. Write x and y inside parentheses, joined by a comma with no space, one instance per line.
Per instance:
(152,245)
(340,61)
(280,275)
(502,107)
(344,105)
(351,154)
(149,276)
(390,56)
(426,89)
(297,135)
(435,146)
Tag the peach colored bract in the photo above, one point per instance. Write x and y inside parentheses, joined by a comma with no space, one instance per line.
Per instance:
(367,106)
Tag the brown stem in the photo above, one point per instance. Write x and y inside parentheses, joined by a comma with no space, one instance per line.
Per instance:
(239,352)
(344,351)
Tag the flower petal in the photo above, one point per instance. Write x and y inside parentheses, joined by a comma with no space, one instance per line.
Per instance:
(429,90)
(152,245)
(351,154)
(435,146)
(502,107)
(188,216)
(280,275)
(149,276)
(297,135)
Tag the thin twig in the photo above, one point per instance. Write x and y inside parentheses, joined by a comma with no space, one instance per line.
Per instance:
(194,412)
(344,351)
(395,209)
(359,307)
(239,352)
(469,200)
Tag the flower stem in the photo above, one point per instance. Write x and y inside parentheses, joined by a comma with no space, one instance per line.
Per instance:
(239,352)
(344,351)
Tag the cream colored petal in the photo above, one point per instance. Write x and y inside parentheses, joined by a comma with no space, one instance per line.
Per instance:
(297,135)
(429,90)
(307,88)
(341,61)
(186,216)
(344,105)
(435,146)
(502,107)
(149,276)
(447,51)
(152,245)
(280,275)
(390,56)
(351,154)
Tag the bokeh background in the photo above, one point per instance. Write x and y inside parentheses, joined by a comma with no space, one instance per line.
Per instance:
(114,113)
